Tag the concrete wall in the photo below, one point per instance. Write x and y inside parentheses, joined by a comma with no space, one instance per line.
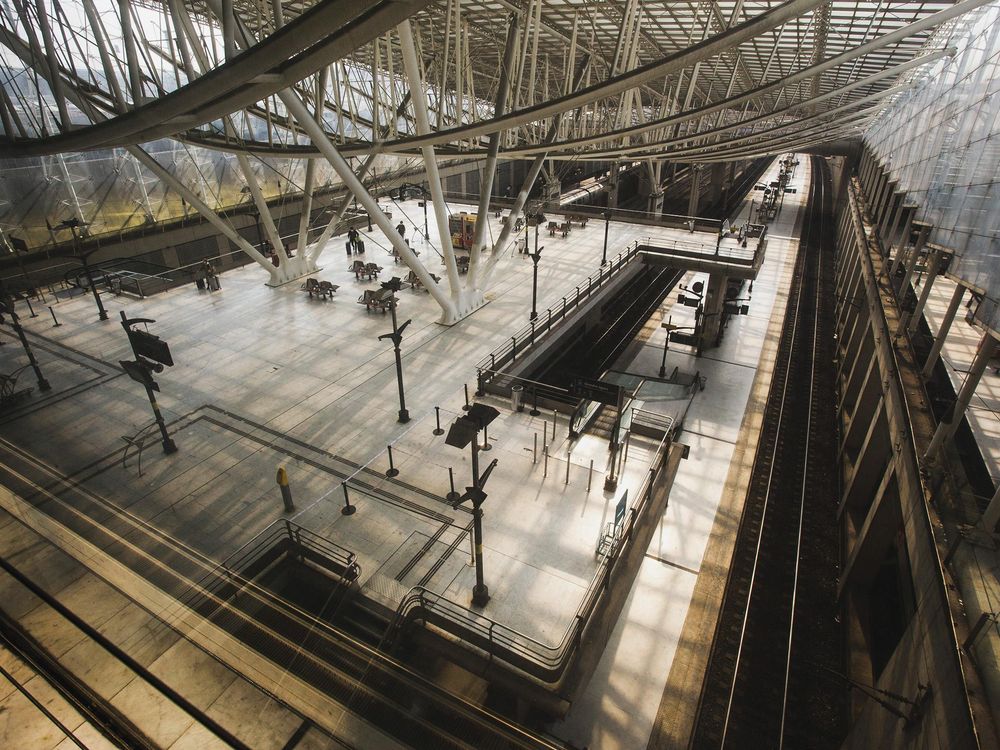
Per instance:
(903,617)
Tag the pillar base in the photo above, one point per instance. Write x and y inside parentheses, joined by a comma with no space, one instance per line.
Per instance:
(169,446)
(480,595)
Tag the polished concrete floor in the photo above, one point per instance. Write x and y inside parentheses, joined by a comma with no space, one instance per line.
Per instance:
(269,377)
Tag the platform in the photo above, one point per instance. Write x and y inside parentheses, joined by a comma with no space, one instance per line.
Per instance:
(268,377)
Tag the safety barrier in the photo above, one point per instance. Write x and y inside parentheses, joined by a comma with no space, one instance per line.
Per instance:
(501,642)
(537,330)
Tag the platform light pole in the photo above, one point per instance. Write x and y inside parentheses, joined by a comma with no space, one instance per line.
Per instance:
(73,224)
(392,286)
(465,431)
(151,354)
(607,222)
(535,257)
(7,306)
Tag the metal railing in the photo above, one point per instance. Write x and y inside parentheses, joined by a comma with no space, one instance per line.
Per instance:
(536,330)
(543,661)
(239,569)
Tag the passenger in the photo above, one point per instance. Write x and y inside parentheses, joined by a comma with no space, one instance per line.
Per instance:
(352,237)
(401,228)
(211,280)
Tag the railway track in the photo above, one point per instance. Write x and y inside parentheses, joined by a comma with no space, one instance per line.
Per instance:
(776,629)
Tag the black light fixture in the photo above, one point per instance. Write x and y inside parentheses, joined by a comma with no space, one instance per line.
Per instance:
(464,431)
(392,286)
(73,224)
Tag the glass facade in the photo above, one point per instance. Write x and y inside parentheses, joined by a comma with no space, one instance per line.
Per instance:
(941,140)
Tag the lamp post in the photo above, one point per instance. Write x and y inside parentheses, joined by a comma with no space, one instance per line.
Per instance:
(607,222)
(535,257)
(392,286)
(668,326)
(151,354)
(72,224)
(7,306)
(465,431)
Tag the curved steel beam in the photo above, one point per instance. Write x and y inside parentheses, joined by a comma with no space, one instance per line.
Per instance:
(567,149)
(703,50)
(325,33)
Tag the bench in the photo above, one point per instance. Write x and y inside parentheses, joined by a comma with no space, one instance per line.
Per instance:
(357,268)
(376,299)
(395,254)
(581,220)
(10,396)
(321,289)
(415,283)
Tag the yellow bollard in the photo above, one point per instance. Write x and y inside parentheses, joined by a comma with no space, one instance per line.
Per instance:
(286,493)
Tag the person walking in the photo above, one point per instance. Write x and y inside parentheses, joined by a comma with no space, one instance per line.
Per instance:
(401,228)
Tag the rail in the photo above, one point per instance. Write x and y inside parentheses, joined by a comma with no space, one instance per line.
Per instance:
(241,566)
(538,329)
(648,420)
(670,221)
(543,661)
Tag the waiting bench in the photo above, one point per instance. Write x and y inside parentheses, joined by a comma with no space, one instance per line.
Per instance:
(415,283)
(322,289)
(376,299)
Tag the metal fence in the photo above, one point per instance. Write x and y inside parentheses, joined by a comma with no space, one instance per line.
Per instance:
(544,661)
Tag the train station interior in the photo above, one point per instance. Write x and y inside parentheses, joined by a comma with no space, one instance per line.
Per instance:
(486,374)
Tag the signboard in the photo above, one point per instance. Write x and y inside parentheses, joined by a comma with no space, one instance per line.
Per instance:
(687,339)
(595,390)
(139,374)
(620,509)
(151,347)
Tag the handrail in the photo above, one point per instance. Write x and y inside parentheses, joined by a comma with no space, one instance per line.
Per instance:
(543,661)
(535,331)
(229,570)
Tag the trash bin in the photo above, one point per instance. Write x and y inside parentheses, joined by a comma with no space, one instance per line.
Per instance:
(517,397)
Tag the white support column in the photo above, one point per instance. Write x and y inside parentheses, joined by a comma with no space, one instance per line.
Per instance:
(449,311)
(489,168)
(430,164)
(911,320)
(201,207)
(694,195)
(992,515)
(904,240)
(949,423)
(328,231)
(261,204)
(942,334)
(310,177)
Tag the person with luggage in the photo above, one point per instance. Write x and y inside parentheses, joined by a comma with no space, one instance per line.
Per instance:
(211,279)
(354,243)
